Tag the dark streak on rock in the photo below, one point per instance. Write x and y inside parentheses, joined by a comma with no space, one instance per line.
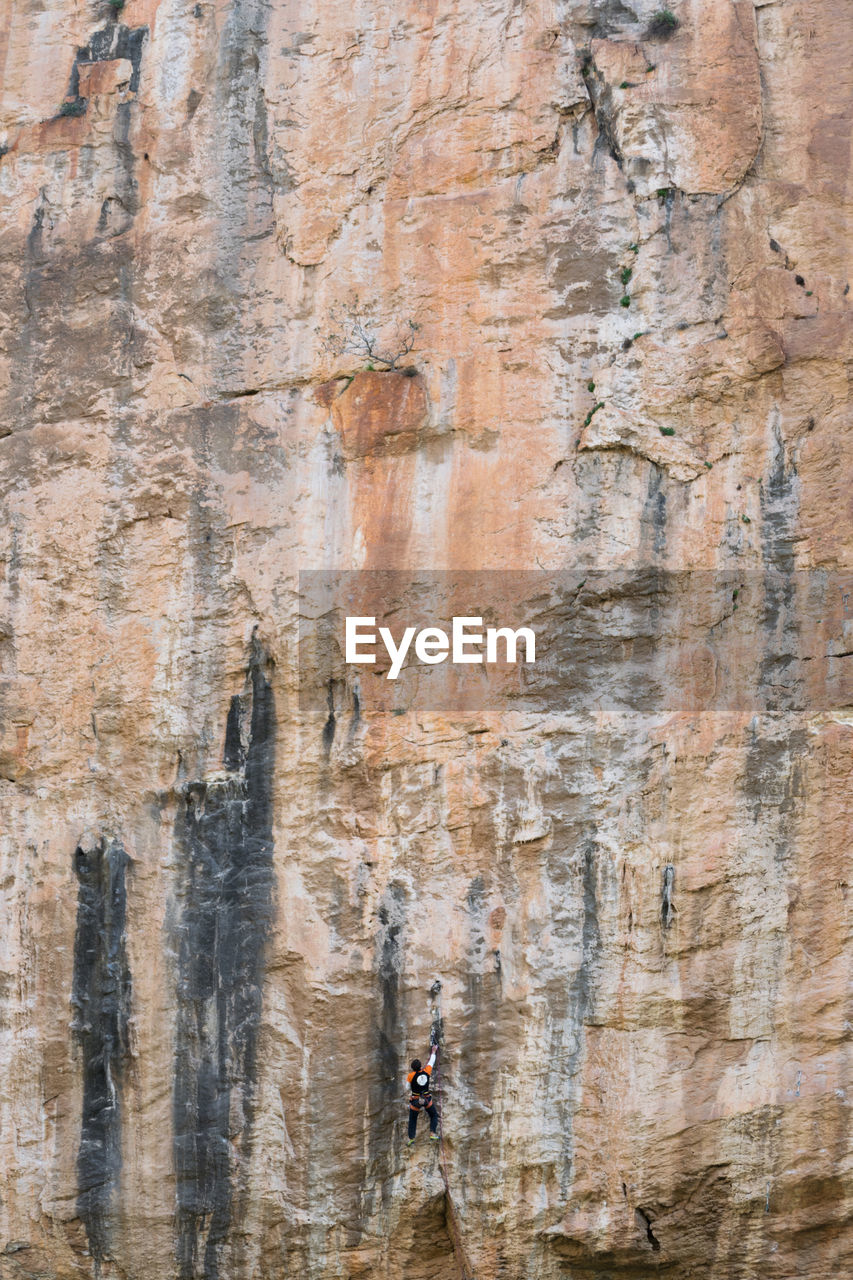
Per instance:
(478,1058)
(654,511)
(773,783)
(225,833)
(392,917)
(101,998)
(112,41)
(667,908)
(779,498)
(233,754)
(331,721)
(591,936)
(779,493)
(573,1004)
(387,1035)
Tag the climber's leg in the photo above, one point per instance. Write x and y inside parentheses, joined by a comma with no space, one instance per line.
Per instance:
(413,1122)
(433,1119)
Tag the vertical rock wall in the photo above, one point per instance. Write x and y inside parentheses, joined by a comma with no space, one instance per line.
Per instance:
(626,252)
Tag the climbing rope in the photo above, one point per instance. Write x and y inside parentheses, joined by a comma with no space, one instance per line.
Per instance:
(440,1115)
(452,1217)
(435,1041)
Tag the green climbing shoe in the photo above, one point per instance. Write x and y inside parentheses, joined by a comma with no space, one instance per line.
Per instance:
(410,1142)
(435,1137)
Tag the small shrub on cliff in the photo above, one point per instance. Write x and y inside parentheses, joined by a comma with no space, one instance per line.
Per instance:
(662,25)
(354,333)
(77,107)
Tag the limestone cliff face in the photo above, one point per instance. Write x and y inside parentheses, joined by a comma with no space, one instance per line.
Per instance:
(226,894)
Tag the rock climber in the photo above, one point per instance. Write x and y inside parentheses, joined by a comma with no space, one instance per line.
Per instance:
(421,1097)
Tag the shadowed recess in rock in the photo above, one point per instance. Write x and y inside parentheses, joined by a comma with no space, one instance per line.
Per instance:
(225,835)
(101,996)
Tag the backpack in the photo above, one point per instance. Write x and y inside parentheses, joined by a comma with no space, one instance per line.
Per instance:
(420,1082)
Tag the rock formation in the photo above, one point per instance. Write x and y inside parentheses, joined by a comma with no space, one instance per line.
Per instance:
(230,878)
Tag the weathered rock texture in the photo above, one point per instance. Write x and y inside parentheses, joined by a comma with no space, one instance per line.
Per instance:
(223,907)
